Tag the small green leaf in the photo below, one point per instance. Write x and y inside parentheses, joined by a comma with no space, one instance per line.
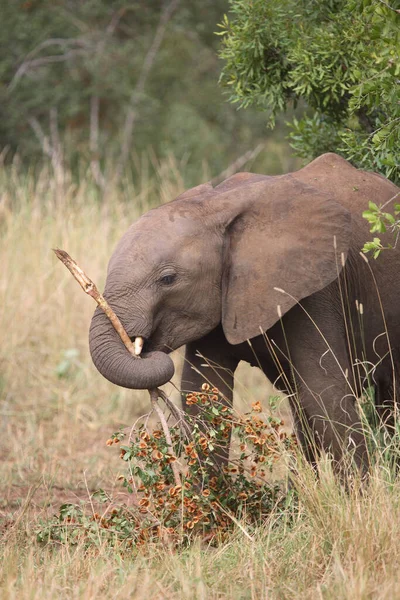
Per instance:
(390,218)
(369,215)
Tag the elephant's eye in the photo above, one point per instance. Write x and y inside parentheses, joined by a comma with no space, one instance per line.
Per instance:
(167,279)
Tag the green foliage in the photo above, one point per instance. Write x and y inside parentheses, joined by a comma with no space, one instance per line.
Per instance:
(380,222)
(60,58)
(339,58)
(208,502)
(73,523)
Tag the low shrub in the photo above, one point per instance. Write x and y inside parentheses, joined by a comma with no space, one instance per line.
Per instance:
(204,500)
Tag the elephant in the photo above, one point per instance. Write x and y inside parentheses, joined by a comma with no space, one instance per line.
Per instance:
(268,270)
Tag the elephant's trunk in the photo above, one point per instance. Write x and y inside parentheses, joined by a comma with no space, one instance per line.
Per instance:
(115,363)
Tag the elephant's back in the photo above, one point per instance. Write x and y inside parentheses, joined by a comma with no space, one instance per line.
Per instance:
(351,187)
(354,189)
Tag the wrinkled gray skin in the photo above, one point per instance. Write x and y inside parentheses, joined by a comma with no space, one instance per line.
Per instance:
(203,271)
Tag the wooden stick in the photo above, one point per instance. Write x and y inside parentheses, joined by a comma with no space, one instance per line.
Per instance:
(176,413)
(90,288)
(154,400)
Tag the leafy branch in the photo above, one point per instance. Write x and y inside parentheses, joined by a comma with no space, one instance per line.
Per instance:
(380,222)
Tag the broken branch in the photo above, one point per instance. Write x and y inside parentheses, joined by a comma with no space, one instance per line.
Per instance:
(90,288)
(154,394)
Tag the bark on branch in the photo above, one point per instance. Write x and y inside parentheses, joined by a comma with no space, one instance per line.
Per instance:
(238,164)
(154,395)
(90,288)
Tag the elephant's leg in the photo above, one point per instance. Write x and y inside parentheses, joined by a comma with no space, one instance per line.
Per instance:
(325,405)
(212,351)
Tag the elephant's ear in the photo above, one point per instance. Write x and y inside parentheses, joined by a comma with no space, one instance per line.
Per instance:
(282,234)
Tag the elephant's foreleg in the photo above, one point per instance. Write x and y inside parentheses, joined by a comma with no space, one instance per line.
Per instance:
(208,361)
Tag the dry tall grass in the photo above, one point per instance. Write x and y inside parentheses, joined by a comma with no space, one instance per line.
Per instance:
(56,412)
(55,405)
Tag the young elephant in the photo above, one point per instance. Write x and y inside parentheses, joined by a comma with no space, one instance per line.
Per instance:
(218,267)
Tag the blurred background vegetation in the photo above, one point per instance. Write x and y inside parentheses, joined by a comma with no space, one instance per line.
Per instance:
(112,88)
(118,86)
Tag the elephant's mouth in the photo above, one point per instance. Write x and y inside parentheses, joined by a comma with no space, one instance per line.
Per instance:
(140,343)
(145,345)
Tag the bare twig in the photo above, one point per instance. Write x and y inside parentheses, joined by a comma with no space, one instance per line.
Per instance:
(396,10)
(176,413)
(389,201)
(55,137)
(95,167)
(91,504)
(41,136)
(28,66)
(139,88)
(94,142)
(154,400)
(52,148)
(238,164)
(56,148)
(90,288)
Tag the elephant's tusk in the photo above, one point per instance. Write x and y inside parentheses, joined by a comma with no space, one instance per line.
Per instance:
(138,345)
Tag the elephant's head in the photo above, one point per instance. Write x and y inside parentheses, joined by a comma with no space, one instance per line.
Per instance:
(215,255)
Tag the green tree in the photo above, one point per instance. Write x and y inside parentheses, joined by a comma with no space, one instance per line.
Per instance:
(338,59)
